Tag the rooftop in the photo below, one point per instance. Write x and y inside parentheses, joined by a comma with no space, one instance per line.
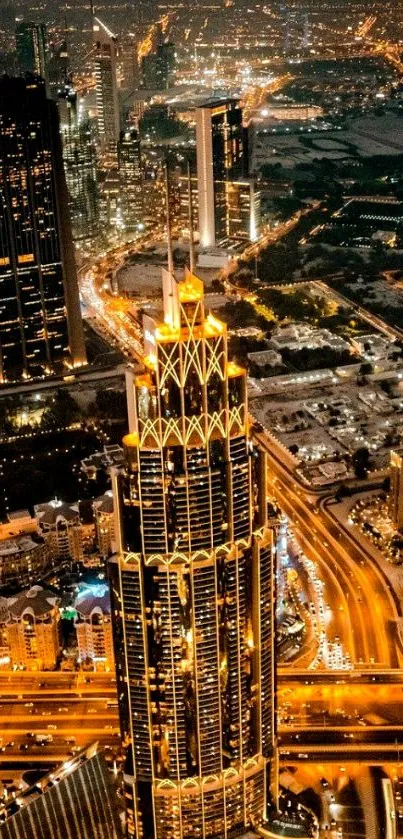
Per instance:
(36,600)
(52,511)
(93,598)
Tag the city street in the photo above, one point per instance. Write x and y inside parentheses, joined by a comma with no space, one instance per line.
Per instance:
(356,588)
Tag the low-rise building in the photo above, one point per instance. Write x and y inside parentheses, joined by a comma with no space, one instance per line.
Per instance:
(60,525)
(265,359)
(33,629)
(104,521)
(24,554)
(112,455)
(94,627)
(297,336)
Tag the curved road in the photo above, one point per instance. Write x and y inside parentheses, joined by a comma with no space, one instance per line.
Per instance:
(372,609)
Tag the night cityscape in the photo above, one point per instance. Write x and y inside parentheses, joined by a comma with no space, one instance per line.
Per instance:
(201,419)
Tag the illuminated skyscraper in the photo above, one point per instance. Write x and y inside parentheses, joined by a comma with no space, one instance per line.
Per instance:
(32,47)
(40,322)
(192,586)
(80,165)
(229,203)
(131,178)
(106,86)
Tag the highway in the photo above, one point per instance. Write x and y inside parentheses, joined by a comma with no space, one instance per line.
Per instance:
(73,709)
(346,701)
(366,623)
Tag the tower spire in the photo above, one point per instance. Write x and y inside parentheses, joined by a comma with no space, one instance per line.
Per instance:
(168,216)
(191,239)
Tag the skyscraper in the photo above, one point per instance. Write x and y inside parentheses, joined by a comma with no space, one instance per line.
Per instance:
(192,586)
(225,191)
(106,86)
(80,165)
(32,47)
(158,66)
(131,178)
(40,322)
(77,799)
(57,66)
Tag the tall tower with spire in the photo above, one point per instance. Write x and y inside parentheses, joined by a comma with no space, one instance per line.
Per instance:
(192,585)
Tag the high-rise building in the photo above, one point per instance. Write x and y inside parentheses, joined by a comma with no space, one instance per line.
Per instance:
(32,47)
(229,203)
(57,66)
(106,50)
(33,629)
(41,330)
(94,628)
(131,179)
(158,66)
(77,799)
(396,488)
(80,165)
(192,586)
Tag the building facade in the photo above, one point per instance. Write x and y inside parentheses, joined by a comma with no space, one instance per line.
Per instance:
(192,586)
(33,629)
(77,799)
(41,329)
(23,559)
(104,522)
(106,51)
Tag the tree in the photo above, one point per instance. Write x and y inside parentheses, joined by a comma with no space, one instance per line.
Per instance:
(61,410)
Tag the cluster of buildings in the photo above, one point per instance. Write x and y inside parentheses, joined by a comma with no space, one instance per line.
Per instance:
(58,532)
(33,549)
(98,168)
(31,631)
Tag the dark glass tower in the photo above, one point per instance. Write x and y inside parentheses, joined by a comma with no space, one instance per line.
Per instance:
(158,66)
(192,586)
(40,322)
(80,166)
(32,47)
